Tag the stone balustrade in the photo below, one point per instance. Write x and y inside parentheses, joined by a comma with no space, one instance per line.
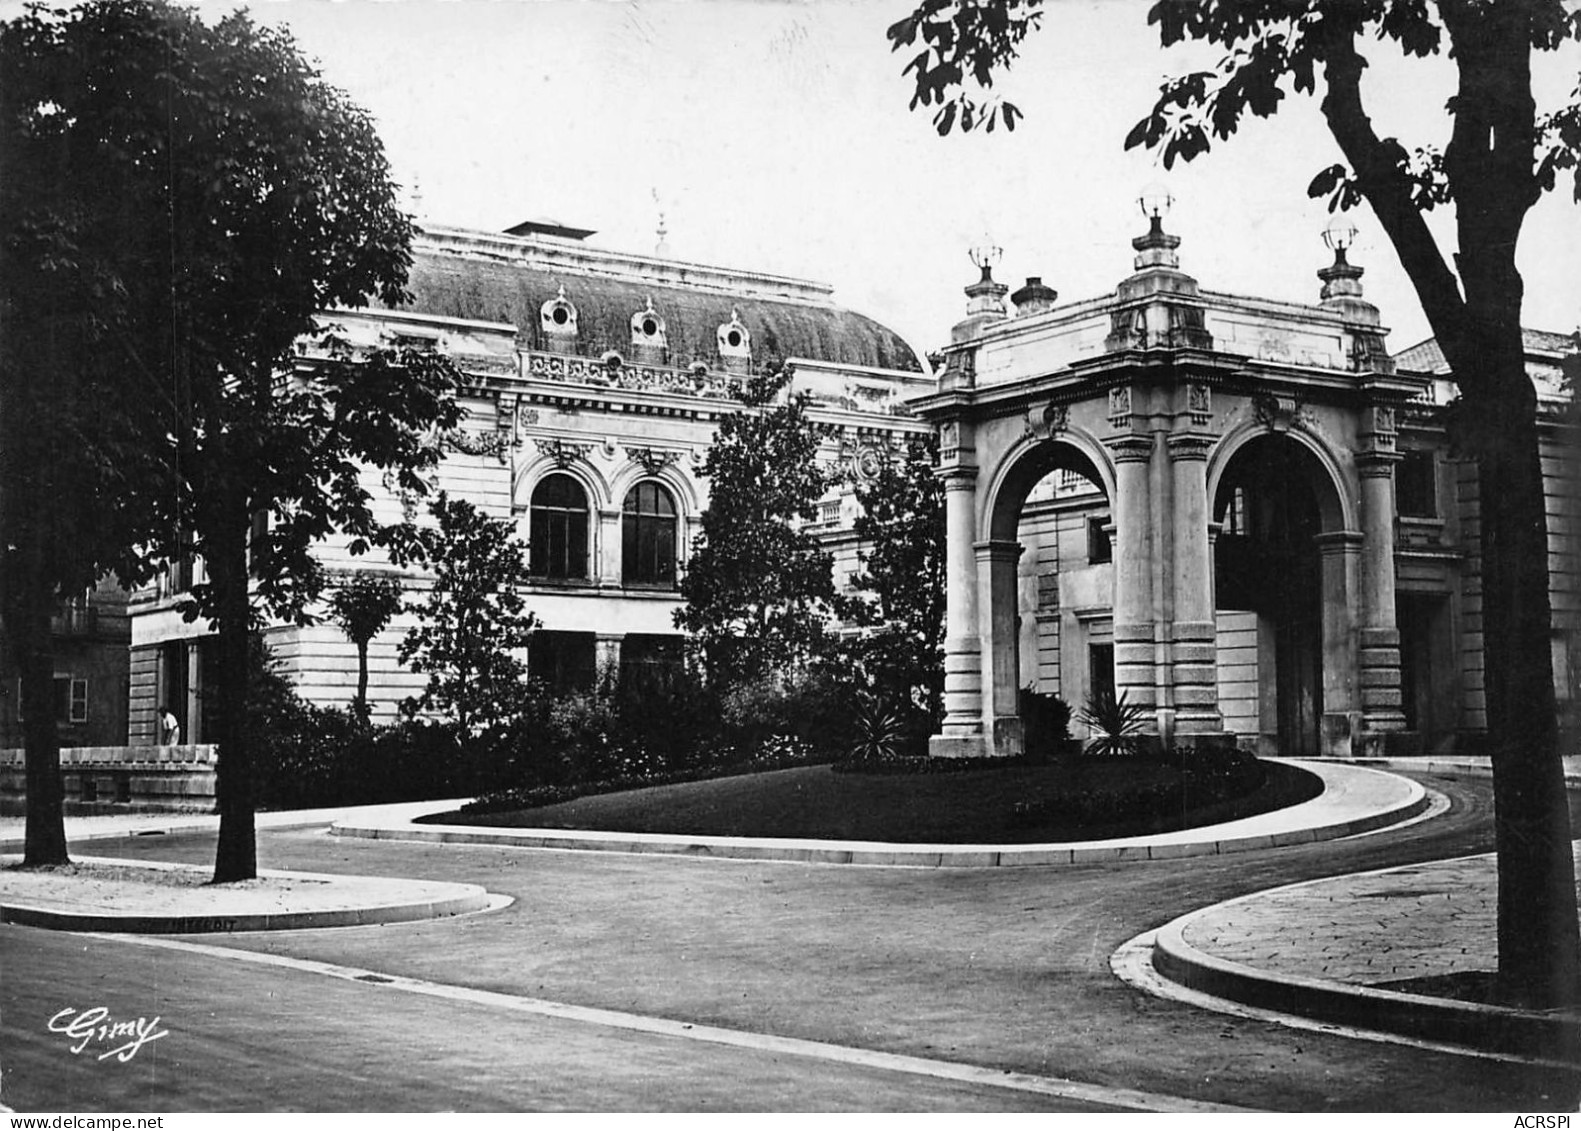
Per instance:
(116,778)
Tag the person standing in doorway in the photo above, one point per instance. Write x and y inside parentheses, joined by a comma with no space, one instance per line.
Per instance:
(169,728)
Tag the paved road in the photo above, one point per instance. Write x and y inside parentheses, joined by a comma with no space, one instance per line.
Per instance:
(1005,970)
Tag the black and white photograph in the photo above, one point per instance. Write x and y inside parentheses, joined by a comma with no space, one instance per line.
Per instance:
(799,557)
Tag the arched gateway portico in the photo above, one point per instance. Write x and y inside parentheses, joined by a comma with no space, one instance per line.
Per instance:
(1245,451)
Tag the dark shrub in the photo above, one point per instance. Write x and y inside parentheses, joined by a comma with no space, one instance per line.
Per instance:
(1046,719)
(1196,777)
(809,706)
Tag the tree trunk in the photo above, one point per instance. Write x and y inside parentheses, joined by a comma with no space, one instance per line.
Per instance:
(31,643)
(360,708)
(236,858)
(1539,944)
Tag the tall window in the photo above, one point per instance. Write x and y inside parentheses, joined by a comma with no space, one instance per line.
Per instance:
(1416,485)
(1100,669)
(1099,547)
(558,532)
(647,534)
(71,699)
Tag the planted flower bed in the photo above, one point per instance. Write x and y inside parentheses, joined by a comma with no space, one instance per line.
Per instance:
(999,801)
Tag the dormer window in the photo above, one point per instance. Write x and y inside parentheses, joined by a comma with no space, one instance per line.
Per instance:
(735,344)
(558,319)
(648,339)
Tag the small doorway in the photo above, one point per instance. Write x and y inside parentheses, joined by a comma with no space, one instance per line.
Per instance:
(1426,665)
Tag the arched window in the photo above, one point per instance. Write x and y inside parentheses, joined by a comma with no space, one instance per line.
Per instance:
(558,534)
(647,533)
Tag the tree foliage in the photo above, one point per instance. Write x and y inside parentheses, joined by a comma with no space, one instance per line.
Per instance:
(474,625)
(901,524)
(759,587)
(204,194)
(1501,153)
(363,606)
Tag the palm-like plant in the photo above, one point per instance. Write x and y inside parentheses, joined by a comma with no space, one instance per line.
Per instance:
(1115,723)
(878,730)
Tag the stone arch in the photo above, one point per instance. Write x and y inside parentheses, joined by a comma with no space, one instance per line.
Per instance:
(598,488)
(998,550)
(1285,584)
(1337,505)
(1028,461)
(674,480)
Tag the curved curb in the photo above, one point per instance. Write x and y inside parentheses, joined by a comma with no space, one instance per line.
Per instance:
(1488,1028)
(444,899)
(1171,846)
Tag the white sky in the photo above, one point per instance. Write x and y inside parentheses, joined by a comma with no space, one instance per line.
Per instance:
(777,137)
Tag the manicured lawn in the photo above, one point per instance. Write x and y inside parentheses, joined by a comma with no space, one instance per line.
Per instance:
(1014,804)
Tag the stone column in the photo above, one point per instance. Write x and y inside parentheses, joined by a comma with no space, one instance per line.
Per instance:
(1194,641)
(192,729)
(961,734)
(998,590)
(1379,638)
(1133,596)
(1339,551)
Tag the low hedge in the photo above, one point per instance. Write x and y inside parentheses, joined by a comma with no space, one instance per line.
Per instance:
(778,753)
(1199,777)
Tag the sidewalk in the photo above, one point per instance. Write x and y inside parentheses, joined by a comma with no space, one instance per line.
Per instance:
(145,897)
(1342,949)
(1339,949)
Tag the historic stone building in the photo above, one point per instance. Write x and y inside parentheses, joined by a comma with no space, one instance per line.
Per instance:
(90,636)
(595,381)
(1240,513)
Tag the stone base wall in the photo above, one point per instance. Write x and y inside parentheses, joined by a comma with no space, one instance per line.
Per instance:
(177,779)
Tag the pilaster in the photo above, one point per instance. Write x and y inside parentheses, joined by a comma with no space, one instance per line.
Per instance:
(606,652)
(1134,669)
(1378,654)
(961,732)
(606,548)
(997,592)
(1194,632)
(1340,552)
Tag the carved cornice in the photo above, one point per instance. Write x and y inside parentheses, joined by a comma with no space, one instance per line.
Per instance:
(998,551)
(613,372)
(958,478)
(1280,414)
(1053,419)
(497,444)
(1377,463)
(1189,446)
(1130,448)
(1119,404)
(653,460)
(563,452)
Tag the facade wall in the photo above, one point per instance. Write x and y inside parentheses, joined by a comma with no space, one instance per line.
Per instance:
(548,397)
(1239,674)
(89,637)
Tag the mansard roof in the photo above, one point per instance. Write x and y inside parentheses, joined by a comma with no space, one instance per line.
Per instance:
(1428,357)
(507,278)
